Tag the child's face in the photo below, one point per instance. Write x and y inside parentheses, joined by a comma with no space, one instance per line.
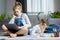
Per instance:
(17,10)
(43,23)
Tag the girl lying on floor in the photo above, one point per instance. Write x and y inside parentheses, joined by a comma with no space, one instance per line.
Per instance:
(39,29)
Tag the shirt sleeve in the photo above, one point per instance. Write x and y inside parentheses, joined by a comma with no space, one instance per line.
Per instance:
(12,21)
(34,30)
(27,21)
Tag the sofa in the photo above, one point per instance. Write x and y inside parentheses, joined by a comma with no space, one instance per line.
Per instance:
(54,23)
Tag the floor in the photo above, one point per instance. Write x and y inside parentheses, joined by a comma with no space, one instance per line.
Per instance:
(27,37)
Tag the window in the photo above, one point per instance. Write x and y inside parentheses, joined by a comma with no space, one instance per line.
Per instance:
(34,5)
(40,6)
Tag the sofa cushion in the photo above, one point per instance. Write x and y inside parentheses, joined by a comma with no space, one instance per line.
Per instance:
(33,16)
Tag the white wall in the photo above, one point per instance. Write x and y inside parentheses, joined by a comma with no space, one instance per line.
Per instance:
(33,5)
(40,6)
(28,5)
(2,6)
(47,6)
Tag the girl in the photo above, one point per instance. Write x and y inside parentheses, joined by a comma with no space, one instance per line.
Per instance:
(17,9)
(38,30)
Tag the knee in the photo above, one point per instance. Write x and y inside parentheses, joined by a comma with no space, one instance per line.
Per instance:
(4,27)
(25,30)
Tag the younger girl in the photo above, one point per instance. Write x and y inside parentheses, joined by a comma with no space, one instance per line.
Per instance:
(39,29)
(19,19)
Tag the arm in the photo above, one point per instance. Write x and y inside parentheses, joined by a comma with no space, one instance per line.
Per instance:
(12,20)
(34,31)
(27,21)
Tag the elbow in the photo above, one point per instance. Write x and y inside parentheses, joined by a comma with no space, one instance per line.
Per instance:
(28,25)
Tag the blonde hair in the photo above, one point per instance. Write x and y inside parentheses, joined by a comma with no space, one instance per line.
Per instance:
(17,4)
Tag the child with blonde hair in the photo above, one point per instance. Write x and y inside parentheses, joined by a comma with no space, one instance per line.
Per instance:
(18,15)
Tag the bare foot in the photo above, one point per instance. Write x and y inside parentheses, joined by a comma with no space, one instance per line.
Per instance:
(13,35)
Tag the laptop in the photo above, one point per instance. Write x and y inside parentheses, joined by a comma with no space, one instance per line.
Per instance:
(12,27)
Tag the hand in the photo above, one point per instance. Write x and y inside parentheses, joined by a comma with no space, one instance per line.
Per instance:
(37,34)
(14,16)
(22,27)
(19,27)
(41,35)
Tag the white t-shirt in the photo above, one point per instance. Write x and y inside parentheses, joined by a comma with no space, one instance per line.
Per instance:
(37,29)
(25,20)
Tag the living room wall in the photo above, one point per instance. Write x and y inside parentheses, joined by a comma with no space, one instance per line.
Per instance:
(6,6)
(9,6)
(2,6)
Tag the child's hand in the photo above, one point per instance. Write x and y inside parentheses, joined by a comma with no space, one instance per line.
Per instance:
(20,27)
(37,34)
(41,34)
(14,16)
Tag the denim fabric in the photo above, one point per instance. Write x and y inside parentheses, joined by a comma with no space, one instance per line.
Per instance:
(18,21)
